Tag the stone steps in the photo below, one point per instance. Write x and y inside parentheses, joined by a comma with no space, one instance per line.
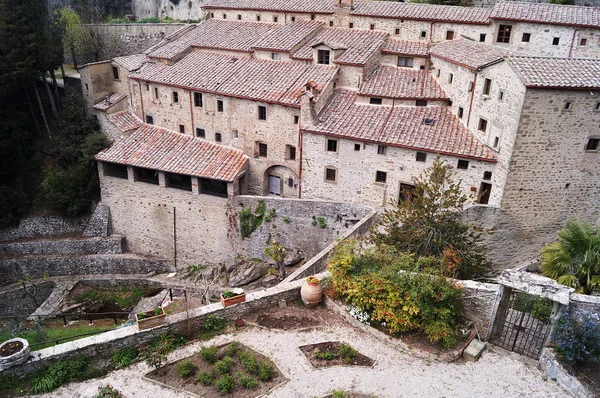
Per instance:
(60,291)
(109,245)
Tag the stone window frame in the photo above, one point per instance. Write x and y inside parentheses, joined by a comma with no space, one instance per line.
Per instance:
(218,137)
(450,34)
(482,37)
(487,175)
(525,37)
(382,149)
(482,125)
(262,149)
(292,18)
(198,100)
(330,174)
(351,25)
(375,101)
(323,57)
(276,56)
(296,119)
(149,119)
(200,132)
(496,143)
(356,147)
(182,129)
(460,113)
(568,106)
(450,78)
(220,105)
(405,62)
(380,177)
(275,18)
(262,112)
(593,144)
(332,143)
(115,72)
(423,35)
(224,16)
(422,102)
(487,86)
(290,152)
(462,164)
(597,106)
(501,95)
(174,97)
(239,17)
(331,24)
(156,94)
(504,33)
(555,41)
(397,32)
(258,17)
(421,157)
(372,26)
(583,42)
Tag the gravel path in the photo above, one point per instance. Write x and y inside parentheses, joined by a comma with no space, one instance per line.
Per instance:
(394,375)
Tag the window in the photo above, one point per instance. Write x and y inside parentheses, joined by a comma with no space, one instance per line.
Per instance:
(421,157)
(460,112)
(275,56)
(178,181)
(293,19)
(87,88)
(312,17)
(449,35)
(482,37)
(147,87)
(218,137)
(381,149)
(115,72)
(146,175)
(182,129)
(262,112)
(357,147)
(397,31)
(235,134)
(224,16)
(198,99)
(262,150)
(439,72)
(155,92)
(487,86)
(375,101)
(175,97)
(470,88)
(504,33)
(423,34)
(406,192)
(482,125)
(526,37)
(290,152)
(380,176)
(496,142)
(597,106)
(212,14)
(296,119)
(462,164)
(555,41)
(421,103)
(487,175)
(219,105)
(258,17)
(500,95)
(372,26)
(275,18)
(583,42)
(450,77)
(323,57)
(592,144)
(568,106)
(200,133)
(149,119)
(484,193)
(330,174)
(213,187)
(428,121)
(406,62)
(331,24)
(351,25)
(291,182)
(332,145)
(239,17)
(115,170)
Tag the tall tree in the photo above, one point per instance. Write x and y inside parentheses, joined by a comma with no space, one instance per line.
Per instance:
(430,224)
(73,32)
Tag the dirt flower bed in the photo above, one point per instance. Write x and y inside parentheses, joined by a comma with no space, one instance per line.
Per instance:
(348,394)
(294,317)
(334,353)
(216,371)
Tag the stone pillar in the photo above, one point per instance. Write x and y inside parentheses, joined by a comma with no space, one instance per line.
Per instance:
(162,180)
(502,298)
(130,174)
(195,185)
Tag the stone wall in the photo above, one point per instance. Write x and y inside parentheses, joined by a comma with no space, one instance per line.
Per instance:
(479,300)
(32,227)
(111,245)
(550,364)
(16,302)
(184,10)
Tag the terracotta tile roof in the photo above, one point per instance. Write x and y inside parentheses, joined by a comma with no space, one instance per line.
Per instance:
(555,14)
(217,34)
(392,82)
(287,37)
(125,121)
(544,72)
(303,6)
(109,101)
(359,45)
(160,149)
(468,53)
(243,77)
(399,126)
(405,47)
(131,62)
(422,12)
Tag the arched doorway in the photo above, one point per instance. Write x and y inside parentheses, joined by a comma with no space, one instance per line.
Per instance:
(280,181)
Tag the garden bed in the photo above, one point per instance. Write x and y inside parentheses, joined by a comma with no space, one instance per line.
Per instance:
(233,368)
(334,353)
(347,394)
(294,317)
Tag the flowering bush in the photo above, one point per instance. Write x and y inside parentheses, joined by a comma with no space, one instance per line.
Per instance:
(577,336)
(311,280)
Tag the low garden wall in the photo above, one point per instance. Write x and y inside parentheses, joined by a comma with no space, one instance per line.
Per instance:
(557,372)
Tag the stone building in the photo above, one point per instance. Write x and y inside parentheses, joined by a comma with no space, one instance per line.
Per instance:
(350,101)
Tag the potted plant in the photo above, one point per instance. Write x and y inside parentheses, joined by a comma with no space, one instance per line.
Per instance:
(311,292)
(233,296)
(150,319)
(13,352)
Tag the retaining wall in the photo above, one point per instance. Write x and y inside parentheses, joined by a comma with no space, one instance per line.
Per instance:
(111,245)
(32,227)
(20,303)
(555,371)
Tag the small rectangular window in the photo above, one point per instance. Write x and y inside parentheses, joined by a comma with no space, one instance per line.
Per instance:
(487,86)
(258,17)
(262,150)
(219,105)
(147,87)
(224,16)
(115,71)
(212,14)
(421,102)
(423,34)
(406,62)
(218,137)
(296,119)
(330,174)
(149,119)
(504,34)
(421,157)
(449,35)
(357,147)
(293,19)
(155,92)
(275,56)
(482,37)
(470,88)
(200,133)
(450,77)
(291,182)
(262,112)
(331,24)
(460,112)
(323,57)
(583,42)
(496,142)
(381,149)
(235,134)
(439,72)
(115,170)
(312,17)
(592,144)
(487,175)
(372,27)
(568,106)
(555,41)
(291,152)
(175,97)
(597,106)
(351,25)
(275,18)
(462,164)
(332,145)
(182,129)
(397,31)
(198,99)
(375,101)
(500,95)
(380,176)
(526,37)
(482,125)
(239,17)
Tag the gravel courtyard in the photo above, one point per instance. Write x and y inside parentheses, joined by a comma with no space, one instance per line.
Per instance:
(395,374)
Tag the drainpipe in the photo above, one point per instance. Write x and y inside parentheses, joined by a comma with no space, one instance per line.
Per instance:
(471,101)
(572,42)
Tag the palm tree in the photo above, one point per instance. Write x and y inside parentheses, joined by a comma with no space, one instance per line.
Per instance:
(574,260)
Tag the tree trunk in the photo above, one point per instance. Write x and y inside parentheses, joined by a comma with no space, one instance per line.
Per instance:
(62,70)
(281,266)
(35,121)
(74,59)
(51,98)
(56,93)
(39,101)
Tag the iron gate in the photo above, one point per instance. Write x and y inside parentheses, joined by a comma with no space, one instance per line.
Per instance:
(522,323)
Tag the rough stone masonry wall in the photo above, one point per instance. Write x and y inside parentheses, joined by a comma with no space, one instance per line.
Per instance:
(19,303)
(44,226)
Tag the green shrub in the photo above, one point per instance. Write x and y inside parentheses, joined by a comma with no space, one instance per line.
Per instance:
(167,342)
(224,365)
(66,191)
(124,357)
(266,371)
(338,394)
(327,355)
(249,361)
(233,348)
(347,352)
(58,374)
(186,368)
(214,323)
(209,354)
(250,220)
(577,337)
(206,378)
(247,382)
(108,391)
(286,219)
(322,222)
(8,383)
(225,384)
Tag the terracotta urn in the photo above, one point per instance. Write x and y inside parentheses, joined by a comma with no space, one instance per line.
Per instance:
(311,292)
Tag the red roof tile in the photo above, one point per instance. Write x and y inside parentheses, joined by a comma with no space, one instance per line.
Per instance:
(405,47)
(304,6)
(468,53)
(555,14)
(423,12)
(286,37)
(399,126)
(392,82)
(156,148)
(131,62)
(125,121)
(109,101)
(359,45)
(256,79)
(541,72)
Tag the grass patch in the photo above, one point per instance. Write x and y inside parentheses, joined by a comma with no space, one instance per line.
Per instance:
(124,298)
